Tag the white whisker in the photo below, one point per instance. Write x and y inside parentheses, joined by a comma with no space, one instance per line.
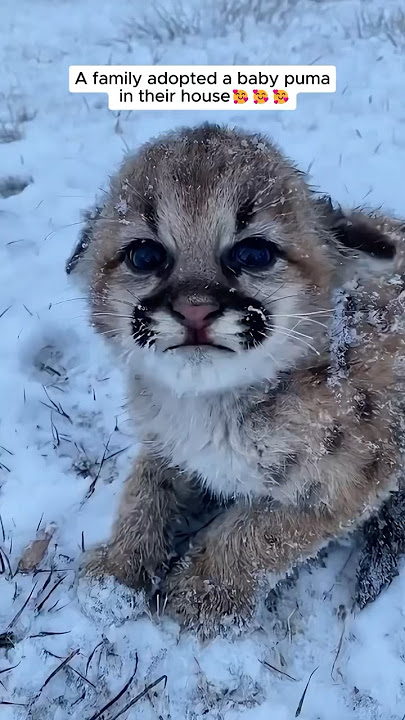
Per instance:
(113,330)
(293,337)
(112,314)
(304,315)
(290,330)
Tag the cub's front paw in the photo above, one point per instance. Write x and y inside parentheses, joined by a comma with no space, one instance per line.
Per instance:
(205,604)
(108,560)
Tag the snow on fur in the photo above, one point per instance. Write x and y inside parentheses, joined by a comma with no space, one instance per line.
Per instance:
(69,647)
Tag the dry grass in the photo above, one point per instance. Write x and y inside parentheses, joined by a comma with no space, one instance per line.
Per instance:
(13,115)
(161,26)
(217,18)
(186,20)
(383,24)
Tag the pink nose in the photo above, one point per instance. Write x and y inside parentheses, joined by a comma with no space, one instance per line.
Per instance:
(195,316)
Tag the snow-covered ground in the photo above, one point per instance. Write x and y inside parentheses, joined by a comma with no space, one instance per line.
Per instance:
(62,417)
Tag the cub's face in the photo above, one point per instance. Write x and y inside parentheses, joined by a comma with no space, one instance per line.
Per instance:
(207,268)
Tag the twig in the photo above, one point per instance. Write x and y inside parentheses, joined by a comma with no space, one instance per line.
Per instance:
(301,702)
(82,696)
(120,694)
(90,658)
(69,667)
(339,575)
(118,452)
(16,617)
(54,605)
(140,696)
(83,548)
(52,370)
(5,450)
(40,521)
(47,581)
(62,606)
(338,650)
(55,433)
(42,603)
(92,487)
(58,657)
(4,311)
(10,668)
(3,562)
(59,668)
(56,406)
(272,667)
(2,529)
(45,633)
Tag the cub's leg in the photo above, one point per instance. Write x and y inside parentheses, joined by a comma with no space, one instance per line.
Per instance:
(216,583)
(384,543)
(140,546)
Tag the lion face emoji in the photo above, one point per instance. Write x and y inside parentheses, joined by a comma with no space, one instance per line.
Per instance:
(239,96)
(261,97)
(280,97)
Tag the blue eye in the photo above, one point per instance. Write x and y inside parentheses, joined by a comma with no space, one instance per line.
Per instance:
(252,253)
(146,256)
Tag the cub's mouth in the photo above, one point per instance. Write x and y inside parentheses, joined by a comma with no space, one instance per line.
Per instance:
(196,339)
(199,345)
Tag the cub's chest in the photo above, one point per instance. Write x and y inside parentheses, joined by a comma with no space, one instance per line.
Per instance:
(205,438)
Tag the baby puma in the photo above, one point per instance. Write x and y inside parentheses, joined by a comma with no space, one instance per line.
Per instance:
(263,338)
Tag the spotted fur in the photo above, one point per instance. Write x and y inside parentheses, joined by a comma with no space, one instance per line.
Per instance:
(292,420)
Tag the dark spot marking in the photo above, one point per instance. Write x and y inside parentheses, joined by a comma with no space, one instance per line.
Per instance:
(256,320)
(141,326)
(254,317)
(356,231)
(334,438)
(358,235)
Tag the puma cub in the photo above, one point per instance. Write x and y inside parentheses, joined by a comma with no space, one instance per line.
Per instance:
(262,334)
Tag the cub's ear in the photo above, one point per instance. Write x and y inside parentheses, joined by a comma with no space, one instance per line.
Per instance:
(85,238)
(357,231)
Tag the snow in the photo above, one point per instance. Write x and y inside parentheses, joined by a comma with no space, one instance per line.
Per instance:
(58,150)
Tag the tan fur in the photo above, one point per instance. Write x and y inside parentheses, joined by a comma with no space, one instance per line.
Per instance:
(299,435)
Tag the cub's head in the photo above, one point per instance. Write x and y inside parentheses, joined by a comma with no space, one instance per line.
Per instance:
(209,265)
